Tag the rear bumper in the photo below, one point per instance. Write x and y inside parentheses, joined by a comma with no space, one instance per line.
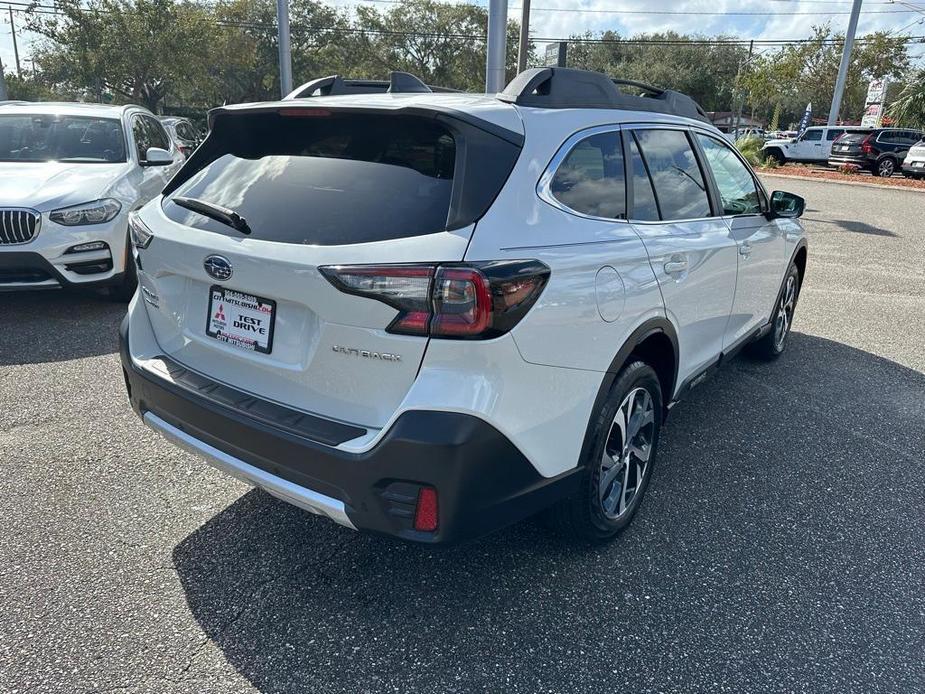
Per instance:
(860,160)
(483,481)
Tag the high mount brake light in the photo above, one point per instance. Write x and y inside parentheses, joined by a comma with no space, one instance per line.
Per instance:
(472,301)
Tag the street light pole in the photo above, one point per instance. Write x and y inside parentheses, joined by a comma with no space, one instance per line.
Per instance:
(524,36)
(497,46)
(285,47)
(845,61)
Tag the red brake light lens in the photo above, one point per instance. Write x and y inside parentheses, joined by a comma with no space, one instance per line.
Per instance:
(462,302)
(866,147)
(425,511)
(449,301)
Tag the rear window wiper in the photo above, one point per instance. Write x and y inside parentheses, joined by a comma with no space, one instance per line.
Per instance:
(216,212)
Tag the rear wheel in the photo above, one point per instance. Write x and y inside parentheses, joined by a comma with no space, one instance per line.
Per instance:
(886,167)
(619,462)
(772,345)
(777,156)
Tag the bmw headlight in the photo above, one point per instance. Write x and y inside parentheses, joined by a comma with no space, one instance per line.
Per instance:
(96,212)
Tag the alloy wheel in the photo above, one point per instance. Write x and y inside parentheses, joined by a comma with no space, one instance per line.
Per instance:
(784,316)
(886,168)
(627,453)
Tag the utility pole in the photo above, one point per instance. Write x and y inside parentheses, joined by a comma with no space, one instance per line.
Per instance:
(15,48)
(285,47)
(845,61)
(524,36)
(497,46)
(741,97)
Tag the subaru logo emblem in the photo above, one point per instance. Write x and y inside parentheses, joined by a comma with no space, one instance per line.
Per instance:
(218,267)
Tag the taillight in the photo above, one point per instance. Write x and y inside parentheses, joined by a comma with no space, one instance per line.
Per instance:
(471,301)
(866,147)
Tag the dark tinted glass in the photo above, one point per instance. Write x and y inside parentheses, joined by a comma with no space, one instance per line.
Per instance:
(142,137)
(340,179)
(737,189)
(812,135)
(854,137)
(590,178)
(673,167)
(47,137)
(833,133)
(156,133)
(645,208)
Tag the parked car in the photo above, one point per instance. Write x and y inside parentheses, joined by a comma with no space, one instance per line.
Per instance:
(183,132)
(429,316)
(880,151)
(914,163)
(69,176)
(814,145)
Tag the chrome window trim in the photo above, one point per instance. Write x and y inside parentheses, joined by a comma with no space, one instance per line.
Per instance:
(543,186)
(35,234)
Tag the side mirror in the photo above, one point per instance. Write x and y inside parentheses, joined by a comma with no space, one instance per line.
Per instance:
(786,205)
(155,156)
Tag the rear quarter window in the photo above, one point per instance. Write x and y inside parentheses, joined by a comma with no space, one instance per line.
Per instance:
(337,179)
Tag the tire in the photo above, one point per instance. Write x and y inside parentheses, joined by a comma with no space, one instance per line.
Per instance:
(886,167)
(772,345)
(125,290)
(777,156)
(612,487)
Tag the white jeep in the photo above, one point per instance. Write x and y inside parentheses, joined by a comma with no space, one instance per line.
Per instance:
(429,315)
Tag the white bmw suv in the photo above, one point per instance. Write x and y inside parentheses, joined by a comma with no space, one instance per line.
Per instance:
(69,176)
(430,315)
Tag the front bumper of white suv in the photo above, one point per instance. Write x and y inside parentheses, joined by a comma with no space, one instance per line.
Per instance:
(52,255)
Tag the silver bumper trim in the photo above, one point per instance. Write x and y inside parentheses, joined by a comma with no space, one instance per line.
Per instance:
(302,497)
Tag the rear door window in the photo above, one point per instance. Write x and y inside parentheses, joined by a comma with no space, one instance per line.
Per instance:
(679,184)
(335,179)
(590,179)
(645,206)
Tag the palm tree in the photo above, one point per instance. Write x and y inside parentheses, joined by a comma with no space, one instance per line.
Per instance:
(909,107)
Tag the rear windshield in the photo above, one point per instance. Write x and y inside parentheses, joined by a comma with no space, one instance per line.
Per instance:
(334,179)
(49,137)
(854,137)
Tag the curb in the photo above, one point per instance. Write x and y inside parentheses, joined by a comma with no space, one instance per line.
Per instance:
(881,186)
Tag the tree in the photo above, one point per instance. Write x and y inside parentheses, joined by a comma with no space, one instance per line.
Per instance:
(909,108)
(136,49)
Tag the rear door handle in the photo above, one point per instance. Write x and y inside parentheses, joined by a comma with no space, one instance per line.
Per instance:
(673,266)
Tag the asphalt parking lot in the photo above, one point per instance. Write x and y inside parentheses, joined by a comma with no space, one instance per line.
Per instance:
(781,547)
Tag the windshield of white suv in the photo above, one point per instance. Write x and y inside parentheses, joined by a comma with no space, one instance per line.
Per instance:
(49,137)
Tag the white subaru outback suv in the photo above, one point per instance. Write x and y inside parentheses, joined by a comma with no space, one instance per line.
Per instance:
(69,176)
(430,315)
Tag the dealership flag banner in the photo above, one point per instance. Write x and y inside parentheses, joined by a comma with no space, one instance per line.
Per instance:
(806,119)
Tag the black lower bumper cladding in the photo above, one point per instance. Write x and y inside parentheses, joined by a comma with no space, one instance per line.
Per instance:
(483,481)
(31,267)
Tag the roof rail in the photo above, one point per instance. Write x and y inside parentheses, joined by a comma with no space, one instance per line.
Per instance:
(334,85)
(560,87)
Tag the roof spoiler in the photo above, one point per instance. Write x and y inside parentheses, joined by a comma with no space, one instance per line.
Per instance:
(560,87)
(334,85)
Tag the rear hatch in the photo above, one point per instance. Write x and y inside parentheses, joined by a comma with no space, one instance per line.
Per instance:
(849,144)
(313,188)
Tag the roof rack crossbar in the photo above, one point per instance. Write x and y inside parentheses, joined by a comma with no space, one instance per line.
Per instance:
(559,87)
(335,85)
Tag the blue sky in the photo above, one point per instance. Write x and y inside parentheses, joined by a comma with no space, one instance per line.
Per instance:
(559,18)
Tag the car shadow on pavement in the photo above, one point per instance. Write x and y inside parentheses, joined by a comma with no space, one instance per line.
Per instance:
(783,493)
(85,325)
(854,226)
